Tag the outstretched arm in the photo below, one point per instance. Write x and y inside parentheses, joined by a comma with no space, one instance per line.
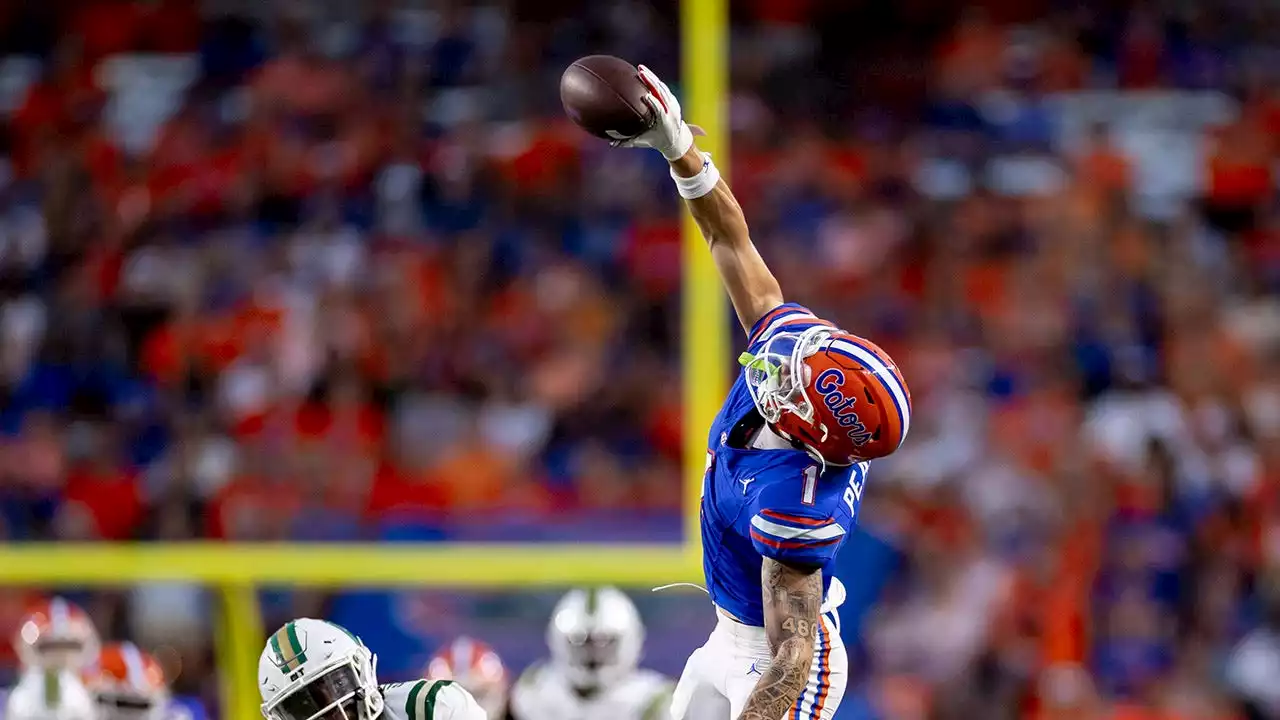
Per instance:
(752,288)
(792,601)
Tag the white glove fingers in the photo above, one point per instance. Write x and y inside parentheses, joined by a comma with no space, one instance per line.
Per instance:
(647,75)
(655,105)
(655,93)
(668,97)
(660,87)
(657,87)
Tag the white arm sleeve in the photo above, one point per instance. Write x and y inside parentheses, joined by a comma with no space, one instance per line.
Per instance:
(457,704)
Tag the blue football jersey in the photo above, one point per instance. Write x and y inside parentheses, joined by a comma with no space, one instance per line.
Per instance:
(775,503)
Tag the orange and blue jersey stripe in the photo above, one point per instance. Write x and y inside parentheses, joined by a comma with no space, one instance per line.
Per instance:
(795,537)
(795,519)
(790,316)
(816,694)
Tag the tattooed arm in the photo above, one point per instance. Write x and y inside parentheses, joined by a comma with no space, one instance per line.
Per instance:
(792,599)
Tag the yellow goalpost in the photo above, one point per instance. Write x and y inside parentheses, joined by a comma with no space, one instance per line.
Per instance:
(236,571)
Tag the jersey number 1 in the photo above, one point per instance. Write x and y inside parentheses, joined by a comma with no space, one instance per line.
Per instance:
(810,485)
(852,494)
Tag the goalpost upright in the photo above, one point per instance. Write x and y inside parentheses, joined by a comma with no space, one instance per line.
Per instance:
(704,319)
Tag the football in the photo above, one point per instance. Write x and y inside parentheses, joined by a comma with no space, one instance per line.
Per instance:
(603,95)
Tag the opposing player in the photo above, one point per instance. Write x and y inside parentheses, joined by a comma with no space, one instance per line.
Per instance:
(477,668)
(595,637)
(55,641)
(128,684)
(313,670)
(786,463)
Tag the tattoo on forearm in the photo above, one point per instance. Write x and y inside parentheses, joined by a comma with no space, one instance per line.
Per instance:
(792,600)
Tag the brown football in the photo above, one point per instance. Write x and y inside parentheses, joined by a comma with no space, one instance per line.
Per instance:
(603,95)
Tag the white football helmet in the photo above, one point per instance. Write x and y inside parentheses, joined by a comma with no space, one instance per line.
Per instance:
(56,634)
(314,669)
(595,636)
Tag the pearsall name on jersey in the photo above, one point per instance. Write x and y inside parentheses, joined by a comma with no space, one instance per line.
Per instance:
(775,503)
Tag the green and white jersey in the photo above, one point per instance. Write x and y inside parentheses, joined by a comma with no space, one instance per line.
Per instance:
(541,693)
(429,700)
(49,695)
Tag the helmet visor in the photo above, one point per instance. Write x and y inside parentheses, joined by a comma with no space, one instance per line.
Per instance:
(776,375)
(332,696)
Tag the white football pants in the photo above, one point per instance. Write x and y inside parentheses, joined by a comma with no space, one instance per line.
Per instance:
(720,675)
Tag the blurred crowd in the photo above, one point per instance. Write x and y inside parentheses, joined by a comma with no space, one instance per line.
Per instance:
(326,271)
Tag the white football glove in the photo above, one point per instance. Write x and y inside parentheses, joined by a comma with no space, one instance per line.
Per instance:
(669,134)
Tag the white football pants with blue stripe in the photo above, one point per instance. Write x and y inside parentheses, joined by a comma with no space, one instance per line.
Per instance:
(719,676)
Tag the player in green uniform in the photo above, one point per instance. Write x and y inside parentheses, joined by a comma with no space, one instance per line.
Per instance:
(316,670)
(595,637)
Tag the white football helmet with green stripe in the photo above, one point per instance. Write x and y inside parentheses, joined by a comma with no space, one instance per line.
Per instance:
(316,670)
(595,636)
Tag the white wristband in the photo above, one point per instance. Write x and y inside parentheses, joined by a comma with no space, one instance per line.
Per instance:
(698,185)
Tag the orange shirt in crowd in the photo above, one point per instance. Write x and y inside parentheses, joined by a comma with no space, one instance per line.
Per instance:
(1239,168)
(51,108)
(1105,170)
(397,492)
(653,255)
(545,158)
(250,508)
(475,475)
(349,425)
(108,27)
(1232,183)
(112,499)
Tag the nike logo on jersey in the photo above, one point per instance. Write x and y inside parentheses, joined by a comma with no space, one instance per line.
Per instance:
(745,483)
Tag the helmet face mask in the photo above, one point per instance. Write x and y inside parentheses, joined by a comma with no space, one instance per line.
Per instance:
(777,375)
(595,637)
(122,706)
(303,684)
(595,652)
(331,696)
(60,653)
